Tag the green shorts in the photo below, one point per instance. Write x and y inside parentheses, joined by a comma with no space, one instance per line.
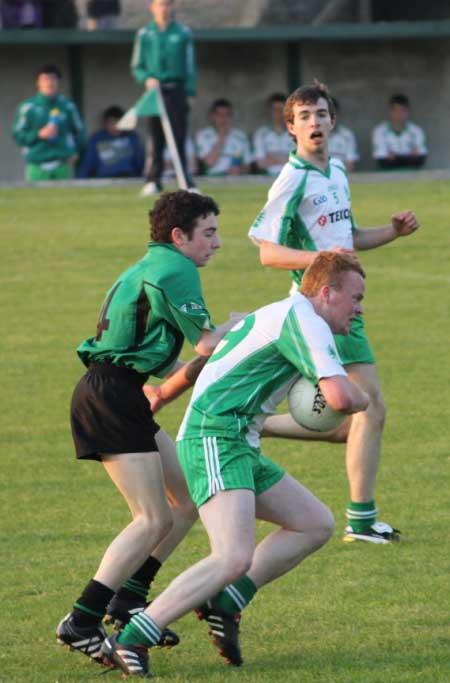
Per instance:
(48,171)
(354,347)
(213,463)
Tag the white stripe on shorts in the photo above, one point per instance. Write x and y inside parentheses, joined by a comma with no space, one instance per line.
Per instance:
(212,464)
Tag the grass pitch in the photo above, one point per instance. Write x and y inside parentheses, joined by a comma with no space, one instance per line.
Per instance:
(352,613)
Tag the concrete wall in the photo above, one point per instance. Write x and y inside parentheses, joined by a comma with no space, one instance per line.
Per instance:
(361,75)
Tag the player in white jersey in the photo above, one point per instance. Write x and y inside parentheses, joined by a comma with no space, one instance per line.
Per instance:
(230,480)
(399,143)
(222,149)
(272,143)
(309,209)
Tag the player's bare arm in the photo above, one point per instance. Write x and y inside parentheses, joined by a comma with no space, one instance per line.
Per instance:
(210,338)
(216,150)
(343,395)
(175,384)
(278,256)
(186,374)
(402,224)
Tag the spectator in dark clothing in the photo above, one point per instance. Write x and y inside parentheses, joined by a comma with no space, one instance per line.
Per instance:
(59,14)
(112,153)
(102,14)
(21,13)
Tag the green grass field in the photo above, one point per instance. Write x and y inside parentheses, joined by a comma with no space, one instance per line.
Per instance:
(352,613)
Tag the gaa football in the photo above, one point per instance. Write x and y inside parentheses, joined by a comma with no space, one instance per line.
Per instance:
(309,408)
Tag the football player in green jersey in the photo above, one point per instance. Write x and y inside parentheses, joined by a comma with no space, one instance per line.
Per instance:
(148,312)
(309,209)
(230,480)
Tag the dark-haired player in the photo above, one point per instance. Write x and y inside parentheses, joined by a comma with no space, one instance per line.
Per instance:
(146,315)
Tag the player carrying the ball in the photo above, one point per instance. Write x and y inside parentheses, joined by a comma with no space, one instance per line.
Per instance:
(230,480)
(308,210)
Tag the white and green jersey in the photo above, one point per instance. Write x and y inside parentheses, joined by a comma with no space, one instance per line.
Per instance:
(342,144)
(255,365)
(307,209)
(267,140)
(235,152)
(387,141)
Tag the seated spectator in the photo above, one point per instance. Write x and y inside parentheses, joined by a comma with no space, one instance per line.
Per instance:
(60,14)
(272,143)
(223,150)
(102,15)
(342,142)
(399,143)
(112,153)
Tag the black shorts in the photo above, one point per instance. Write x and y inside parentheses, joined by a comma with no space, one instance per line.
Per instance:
(110,414)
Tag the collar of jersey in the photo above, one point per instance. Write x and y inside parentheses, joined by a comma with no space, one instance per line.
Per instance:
(44,99)
(398,132)
(302,164)
(166,245)
(154,26)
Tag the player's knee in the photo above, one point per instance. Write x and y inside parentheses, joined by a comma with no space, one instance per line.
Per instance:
(376,411)
(157,526)
(323,527)
(236,565)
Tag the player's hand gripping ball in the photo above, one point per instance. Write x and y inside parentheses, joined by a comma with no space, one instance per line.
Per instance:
(309,408)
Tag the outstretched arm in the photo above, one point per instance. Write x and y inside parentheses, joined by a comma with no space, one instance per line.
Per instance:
(279,256)
(402,223)
(186,374)
(176,384)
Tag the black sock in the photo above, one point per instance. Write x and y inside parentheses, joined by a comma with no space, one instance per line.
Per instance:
(138,585)
(90,608)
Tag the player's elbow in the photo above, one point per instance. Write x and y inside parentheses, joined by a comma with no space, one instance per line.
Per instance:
(206,344)
(339,397)
(341,402)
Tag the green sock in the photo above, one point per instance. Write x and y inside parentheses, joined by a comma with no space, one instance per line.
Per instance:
(236,596)
(361,516)
(141,630)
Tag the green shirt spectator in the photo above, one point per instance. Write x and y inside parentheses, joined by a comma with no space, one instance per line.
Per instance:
(49,129)
(166,55)
(163,56)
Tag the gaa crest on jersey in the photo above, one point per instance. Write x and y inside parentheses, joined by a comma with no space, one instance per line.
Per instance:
(259,219)
(322,220)
(191,306)
(320,199)
(331,352)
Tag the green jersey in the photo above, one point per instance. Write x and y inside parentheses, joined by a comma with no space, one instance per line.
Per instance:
(307,209)
(148,312)
(34,114)
(255,365)
(166,55)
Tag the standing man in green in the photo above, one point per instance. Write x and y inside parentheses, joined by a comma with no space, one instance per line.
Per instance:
(49,129)
(163,55)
